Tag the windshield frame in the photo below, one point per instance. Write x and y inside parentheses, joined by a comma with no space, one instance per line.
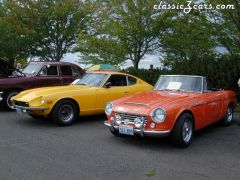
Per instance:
(201,77)
(102,83)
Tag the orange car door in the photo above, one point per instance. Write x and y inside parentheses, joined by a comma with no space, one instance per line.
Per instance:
(213,106)
(114,88)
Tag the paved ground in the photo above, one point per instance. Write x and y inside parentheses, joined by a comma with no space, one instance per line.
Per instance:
(37,149)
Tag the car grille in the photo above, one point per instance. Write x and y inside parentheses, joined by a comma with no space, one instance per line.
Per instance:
(129,118)
(20,103)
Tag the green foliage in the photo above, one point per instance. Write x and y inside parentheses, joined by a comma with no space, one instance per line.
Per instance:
(226,24)
(13,40)
(190,36)
(221,72)
(151,173)
(50,28)
(122,30)
(150,76)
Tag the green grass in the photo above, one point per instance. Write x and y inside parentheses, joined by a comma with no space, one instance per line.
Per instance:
(151,173)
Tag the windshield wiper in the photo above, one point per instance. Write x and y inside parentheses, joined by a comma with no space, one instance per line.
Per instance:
(170,90)
(82,84)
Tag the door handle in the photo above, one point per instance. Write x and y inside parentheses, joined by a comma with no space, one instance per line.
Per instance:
(126,92)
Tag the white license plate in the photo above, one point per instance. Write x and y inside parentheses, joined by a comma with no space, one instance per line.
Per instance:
(128,130)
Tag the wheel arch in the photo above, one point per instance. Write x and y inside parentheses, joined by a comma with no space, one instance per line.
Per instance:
(69,99)
(187,111)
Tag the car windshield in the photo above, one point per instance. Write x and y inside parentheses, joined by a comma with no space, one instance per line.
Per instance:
(179,83)
(32,68)
(91,79)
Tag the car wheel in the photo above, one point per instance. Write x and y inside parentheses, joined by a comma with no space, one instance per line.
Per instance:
(183,131)
(229,116)
(8,97)
(64,113)
(114,132)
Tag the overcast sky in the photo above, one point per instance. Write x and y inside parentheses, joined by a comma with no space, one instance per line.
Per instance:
(144,63)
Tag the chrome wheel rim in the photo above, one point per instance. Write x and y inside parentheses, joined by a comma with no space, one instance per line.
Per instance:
(187,131)
(66,113)
(229,114)
(9,99)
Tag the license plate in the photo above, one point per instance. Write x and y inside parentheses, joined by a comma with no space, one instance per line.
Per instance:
(128,130)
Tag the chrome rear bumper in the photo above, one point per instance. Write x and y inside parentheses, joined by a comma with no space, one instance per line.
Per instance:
(141,131)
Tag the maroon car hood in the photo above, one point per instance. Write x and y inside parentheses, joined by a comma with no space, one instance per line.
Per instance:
(146,101)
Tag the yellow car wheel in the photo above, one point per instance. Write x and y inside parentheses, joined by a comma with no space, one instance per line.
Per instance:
(64,112)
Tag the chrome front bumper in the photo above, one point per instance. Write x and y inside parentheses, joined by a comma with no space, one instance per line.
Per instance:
(1,96)
(29,108)
(141,131)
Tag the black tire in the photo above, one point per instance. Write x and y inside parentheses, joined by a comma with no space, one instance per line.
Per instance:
(7,98)
(114,132)
(229,116)
(64,113)
(182,137)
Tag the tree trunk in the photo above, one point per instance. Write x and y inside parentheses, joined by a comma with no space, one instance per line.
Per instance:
(135,64)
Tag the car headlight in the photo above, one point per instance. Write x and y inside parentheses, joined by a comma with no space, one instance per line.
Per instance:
(42,101)
(158,115)
(108,108)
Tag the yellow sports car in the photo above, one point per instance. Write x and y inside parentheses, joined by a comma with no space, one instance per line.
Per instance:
(85,96)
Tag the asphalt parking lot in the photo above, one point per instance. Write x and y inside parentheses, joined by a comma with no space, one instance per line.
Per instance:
(37,149)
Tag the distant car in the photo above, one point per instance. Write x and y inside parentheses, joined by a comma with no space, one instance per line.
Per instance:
(86,96)
(36,74)
(177,106)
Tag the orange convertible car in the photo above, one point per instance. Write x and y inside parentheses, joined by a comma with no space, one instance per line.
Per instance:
(178,105)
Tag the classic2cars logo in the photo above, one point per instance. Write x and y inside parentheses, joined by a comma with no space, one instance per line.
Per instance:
(190,5)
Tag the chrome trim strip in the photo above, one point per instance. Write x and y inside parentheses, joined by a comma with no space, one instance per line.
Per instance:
(29,108)
(107,124)
(141,104)
(142,132)
(118,112)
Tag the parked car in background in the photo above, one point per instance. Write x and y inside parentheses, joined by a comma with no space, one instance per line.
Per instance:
(177,106)
(86,96)
(36,74)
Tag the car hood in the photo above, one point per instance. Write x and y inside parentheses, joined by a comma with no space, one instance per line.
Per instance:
(145,102)
(29,95)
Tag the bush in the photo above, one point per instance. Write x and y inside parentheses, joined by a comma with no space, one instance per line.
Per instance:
(150,76)
(222,72)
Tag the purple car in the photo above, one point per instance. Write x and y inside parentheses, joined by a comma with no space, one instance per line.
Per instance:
(34,75)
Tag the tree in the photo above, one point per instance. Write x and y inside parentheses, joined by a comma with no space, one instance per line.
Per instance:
(191,36)
(123,30)
(13,41)
(227,25)
(52,25)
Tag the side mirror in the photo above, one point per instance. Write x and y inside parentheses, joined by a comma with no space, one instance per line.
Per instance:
(108,85)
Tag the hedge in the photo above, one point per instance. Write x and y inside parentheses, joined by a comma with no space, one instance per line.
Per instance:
(222,72)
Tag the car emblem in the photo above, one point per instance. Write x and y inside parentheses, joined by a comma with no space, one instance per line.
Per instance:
(126,121)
